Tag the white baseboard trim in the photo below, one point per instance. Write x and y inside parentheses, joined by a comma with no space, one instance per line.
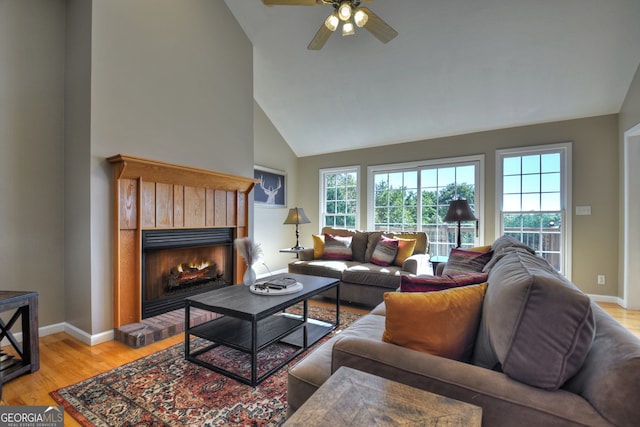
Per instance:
(69,329)
(607,298)
(88,338)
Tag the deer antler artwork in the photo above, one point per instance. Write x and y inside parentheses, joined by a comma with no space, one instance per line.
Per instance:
(270,191)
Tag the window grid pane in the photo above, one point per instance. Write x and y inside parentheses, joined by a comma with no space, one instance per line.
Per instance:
(533,215)
(340,199)
(418,200)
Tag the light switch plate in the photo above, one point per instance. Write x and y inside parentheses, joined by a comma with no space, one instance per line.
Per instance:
(583,210)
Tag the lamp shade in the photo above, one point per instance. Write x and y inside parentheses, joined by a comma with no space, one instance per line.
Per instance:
(296,216)
(459,210)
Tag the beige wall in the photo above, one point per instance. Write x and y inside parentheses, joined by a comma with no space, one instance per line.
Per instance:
(272,151)
(595,183)
(31,151)
(164,79)
(172,80)
(77,185)
(629,118)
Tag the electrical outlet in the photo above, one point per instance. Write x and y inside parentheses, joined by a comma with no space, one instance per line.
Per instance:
(601,280)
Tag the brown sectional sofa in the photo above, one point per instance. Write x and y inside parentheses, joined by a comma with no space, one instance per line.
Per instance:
(567,361)
(361,281)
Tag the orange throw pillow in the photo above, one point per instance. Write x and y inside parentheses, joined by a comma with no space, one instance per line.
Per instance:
(405,250)
(481,249)
(318,246)
(443,323)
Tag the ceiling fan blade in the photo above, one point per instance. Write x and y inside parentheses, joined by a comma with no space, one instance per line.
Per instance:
(376,26)
(292,2)
(320,38)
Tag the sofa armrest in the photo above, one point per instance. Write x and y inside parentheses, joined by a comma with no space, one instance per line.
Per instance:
(504,401)
(417,264)
(306,254)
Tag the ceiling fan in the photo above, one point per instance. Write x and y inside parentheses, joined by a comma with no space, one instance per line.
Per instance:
(349,12)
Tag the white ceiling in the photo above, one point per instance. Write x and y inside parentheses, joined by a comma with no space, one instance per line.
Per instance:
(457,66)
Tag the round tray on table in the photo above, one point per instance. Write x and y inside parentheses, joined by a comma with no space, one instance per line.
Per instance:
(291,289)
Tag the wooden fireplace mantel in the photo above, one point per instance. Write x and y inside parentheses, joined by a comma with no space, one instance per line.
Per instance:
(150,194)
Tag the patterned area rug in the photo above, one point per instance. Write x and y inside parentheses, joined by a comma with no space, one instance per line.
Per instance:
(164,389)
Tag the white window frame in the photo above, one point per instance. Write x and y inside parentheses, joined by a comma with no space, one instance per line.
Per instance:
(343,169)
(479,159)
(565,149)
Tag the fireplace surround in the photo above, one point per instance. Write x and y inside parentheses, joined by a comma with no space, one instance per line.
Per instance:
(156,195)
(178,263)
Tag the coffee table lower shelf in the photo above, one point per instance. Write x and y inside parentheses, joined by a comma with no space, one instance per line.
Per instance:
(251,323)
(236,333)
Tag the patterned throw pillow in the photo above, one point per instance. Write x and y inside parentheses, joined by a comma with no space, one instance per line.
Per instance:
(441,323)
(385,251)
(465,261)
(337,247)
(409,283)
(405,250)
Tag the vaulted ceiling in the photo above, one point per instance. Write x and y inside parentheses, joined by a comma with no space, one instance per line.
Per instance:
(457,66)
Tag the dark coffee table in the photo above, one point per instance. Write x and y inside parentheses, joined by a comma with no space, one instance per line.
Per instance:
(250,323)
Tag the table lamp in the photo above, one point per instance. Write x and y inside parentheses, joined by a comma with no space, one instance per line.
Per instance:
(459,210)
(297,216)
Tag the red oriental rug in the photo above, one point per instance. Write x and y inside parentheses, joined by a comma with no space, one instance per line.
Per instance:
(164,389)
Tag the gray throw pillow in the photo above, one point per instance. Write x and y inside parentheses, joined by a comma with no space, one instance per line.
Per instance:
(537,324)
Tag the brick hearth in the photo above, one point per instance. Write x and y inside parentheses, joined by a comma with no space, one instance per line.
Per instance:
(159,327)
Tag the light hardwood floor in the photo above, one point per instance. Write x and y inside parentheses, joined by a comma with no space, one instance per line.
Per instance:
(65,360)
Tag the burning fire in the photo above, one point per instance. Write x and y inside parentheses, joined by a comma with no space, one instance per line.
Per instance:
(194,265)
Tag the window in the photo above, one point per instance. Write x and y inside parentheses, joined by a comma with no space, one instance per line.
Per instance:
(340,197)
(415,197)
(533,198)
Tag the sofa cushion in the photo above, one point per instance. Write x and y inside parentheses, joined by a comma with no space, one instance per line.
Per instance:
(426,283)
(316,367)
(359,245)
(611,373)
(385,251)
(337,247)
(374,236)
(506,241)
(443,323)
(373,275)
(405,250)
(359,240)
(502,246)
(538,325)
(321,267)
(465,261)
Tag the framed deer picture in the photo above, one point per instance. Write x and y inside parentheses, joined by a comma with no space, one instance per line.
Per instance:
(271,190)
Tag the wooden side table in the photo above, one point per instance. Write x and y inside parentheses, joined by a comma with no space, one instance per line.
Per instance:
(354,398)
(25,305)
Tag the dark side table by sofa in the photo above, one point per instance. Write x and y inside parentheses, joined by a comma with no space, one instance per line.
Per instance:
(25,305)
(355,398)
(437,260)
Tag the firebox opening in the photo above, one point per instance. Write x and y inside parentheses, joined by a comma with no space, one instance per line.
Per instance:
(180,263)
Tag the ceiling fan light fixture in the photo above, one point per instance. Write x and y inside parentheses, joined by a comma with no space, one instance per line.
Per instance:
(344,11)
(360,18)
(332,21)
(347,28)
